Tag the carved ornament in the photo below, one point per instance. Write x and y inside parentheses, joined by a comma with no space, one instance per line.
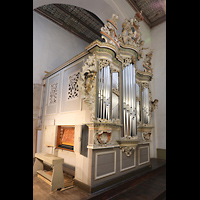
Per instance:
(146,136)
(147,62)
(103,63)
(103,137)
(108,31)
(131,34)
(87,83)
(127,150)
(153,105)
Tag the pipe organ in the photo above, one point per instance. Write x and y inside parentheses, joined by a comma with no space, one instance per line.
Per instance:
(109,104)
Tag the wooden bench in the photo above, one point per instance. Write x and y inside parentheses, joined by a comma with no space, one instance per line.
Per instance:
(57,179)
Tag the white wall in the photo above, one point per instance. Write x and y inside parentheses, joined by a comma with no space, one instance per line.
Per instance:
(52,46)
(158,37)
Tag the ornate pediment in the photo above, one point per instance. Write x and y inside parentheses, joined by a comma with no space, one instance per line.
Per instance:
(108,31)
(131,34)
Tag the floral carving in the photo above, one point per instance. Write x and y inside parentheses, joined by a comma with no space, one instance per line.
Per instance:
(73,91)
(53,93)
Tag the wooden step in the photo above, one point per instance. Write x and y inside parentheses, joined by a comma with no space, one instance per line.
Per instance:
(45,175)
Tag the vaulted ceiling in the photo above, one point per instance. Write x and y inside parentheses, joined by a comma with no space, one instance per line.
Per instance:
(153,11)
(78,21)
(87,25)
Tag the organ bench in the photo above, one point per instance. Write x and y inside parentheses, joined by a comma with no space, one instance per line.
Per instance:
(57,179)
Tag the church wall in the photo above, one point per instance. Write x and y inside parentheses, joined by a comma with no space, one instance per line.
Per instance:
(52,46)
(158,35)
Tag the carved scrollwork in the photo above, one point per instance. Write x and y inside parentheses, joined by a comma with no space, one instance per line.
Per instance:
(108,31)
(103,63)
(127,150)
(87,83)
(145,85)
(102,137)
(147,62)
(127,61)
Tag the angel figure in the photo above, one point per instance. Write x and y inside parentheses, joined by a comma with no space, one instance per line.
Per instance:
(154,104)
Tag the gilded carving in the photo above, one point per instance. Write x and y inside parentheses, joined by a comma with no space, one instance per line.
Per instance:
(147,62)
(87,83)
(153,105)
(108,31)
(127,150)
(131,34)
(103,63)
(103,137)
(146,136)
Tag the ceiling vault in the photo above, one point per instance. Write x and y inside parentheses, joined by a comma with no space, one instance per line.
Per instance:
(153,11)
(78,21)
(87,25)
(76,18)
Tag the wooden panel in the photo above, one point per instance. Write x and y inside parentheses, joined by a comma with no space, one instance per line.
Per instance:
(52,94)
(49,135)
(70,104)
(143,155)
(84,140)
(105,164)
(45,175)
(127,162)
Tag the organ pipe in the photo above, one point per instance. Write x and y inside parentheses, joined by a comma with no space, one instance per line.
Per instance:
(145,106)
(104,91)
(129,97)
(129,101)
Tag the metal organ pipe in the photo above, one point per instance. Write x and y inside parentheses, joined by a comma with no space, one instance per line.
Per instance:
(145,105)
(103,110)
(124,100)
(129,100)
